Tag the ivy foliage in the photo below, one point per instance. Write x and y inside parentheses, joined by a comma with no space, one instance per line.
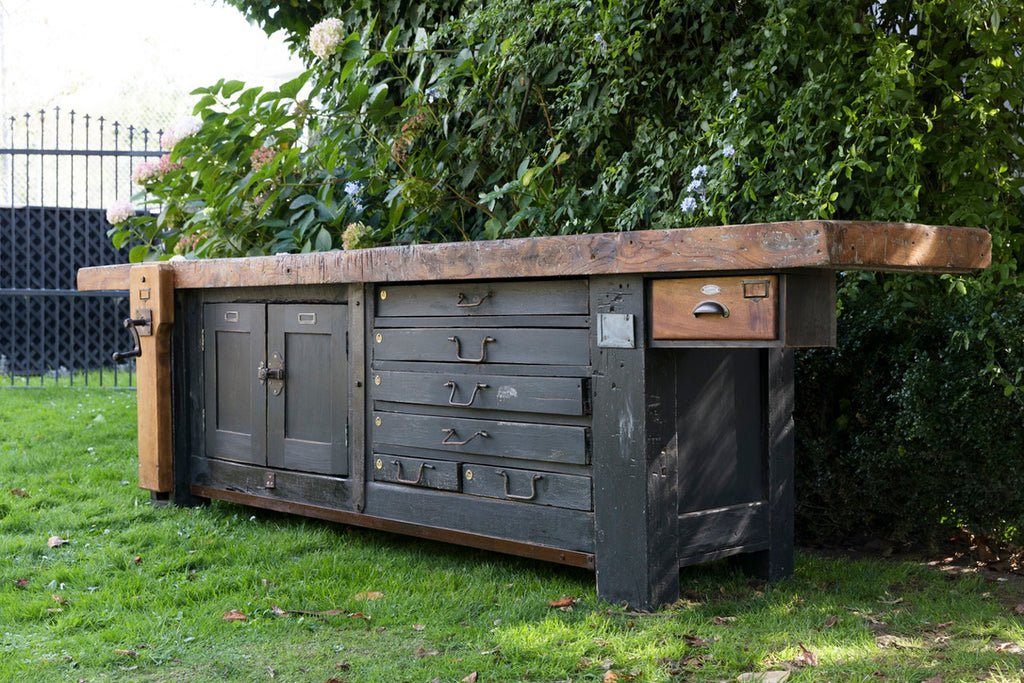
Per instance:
(466,119)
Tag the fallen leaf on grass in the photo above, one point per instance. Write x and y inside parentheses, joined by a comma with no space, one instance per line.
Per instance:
(1019,609)
(279,612)
(59,599)
(806,657)
(694,641)
(19,493)
(126,653)
(56,541)
(562,602)
(936,679)
(609,676)
(369,595)
(723,621)
(831,621)
(420,653)
(22,583)
(234,615)
(471,678)
(418,627)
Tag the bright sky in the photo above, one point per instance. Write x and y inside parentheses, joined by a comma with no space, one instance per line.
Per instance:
(118,58)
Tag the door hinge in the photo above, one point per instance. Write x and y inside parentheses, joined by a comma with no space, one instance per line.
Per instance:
(202,339)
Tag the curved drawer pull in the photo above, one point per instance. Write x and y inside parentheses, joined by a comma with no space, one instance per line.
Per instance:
(464,302)
(533,487)
(711,308)
(455,387)
(419,475)
(449,433)
(483,349)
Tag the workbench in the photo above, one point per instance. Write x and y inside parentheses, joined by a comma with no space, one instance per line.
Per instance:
(620,402)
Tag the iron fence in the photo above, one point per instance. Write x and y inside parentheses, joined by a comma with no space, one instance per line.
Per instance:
(57,175)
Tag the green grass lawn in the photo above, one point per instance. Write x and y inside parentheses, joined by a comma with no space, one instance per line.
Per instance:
(136,593)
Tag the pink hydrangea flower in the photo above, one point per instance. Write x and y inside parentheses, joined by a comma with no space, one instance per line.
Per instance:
(260,157)
(325,37)
(184,128)
(154,171)
(118,212)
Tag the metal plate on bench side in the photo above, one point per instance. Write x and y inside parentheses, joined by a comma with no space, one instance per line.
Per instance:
(521,440)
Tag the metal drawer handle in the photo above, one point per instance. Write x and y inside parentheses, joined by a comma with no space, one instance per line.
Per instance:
(483,349)
(455,387)
(533,487)
(711,308)
(419,475)
(449,433)
(464,302)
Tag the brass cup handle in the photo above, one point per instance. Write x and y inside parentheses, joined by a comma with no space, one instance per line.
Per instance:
(513,496)
(455,387)
(450,432)
(483,349)
(711,308)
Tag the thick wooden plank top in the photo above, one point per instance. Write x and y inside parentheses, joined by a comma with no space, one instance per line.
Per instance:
(834,245)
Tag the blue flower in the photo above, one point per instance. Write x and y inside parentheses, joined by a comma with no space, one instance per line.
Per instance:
(729,151)
(599,39)
(733,94)
(431,95)
(696,185)
(689,205)
(699,171)
(352,188)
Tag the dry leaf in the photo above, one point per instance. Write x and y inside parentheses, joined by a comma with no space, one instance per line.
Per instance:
(126,653)
(55,541)
(19,493)
(359,615)
(418,627)
(369,595)
(420,652)
(471,678)
(722,621)
(22,583)
(806,657)
(278,611)
(234,615)
(936,679)
(137,559)
(609,676)
(564,601)
(831,621)
(1019,609)
(59,599)
(694,641)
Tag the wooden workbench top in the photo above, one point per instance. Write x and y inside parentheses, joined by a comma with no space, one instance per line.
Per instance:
(833,245)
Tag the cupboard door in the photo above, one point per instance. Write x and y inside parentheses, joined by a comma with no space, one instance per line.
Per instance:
(307,413)
(234,337)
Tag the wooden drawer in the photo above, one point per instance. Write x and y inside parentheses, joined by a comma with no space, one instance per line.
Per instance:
(521,440)
(728,308)
(530,346)
(431,474)
(527,486)
(549,395)
(552,297)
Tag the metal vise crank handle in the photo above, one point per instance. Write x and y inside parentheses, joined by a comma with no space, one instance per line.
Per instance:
(132,324)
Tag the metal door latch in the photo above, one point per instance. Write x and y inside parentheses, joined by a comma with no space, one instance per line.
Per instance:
(140,325)
(272,373)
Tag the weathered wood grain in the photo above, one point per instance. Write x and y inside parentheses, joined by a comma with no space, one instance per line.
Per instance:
(836,245)
(152,287)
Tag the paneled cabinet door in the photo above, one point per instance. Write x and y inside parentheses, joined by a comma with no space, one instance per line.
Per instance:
(277,385)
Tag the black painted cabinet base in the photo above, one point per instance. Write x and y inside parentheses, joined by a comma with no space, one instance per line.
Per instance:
(531,418)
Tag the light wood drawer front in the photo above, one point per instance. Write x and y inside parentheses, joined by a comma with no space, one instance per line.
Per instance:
(431,474)
(526,486)
(731,308)
(549,395)
(523,346)
(521,440)
(484,298)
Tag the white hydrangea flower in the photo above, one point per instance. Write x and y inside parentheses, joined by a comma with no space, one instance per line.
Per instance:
(325,37)
(184,128)
(118,212)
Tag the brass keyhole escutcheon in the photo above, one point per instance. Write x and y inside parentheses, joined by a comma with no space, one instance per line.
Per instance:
(377,421)
(383,294)
(376,380)
(378,338)
(379,464)
(469,475)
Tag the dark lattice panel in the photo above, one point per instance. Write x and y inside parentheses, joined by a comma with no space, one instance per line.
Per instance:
(43,248)
(40,334)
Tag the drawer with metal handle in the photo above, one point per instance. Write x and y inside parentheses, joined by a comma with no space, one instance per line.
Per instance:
(729,308)
(527,486)
(521,440)
(521,346)
(431,474)
(549,395)
(569,297)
